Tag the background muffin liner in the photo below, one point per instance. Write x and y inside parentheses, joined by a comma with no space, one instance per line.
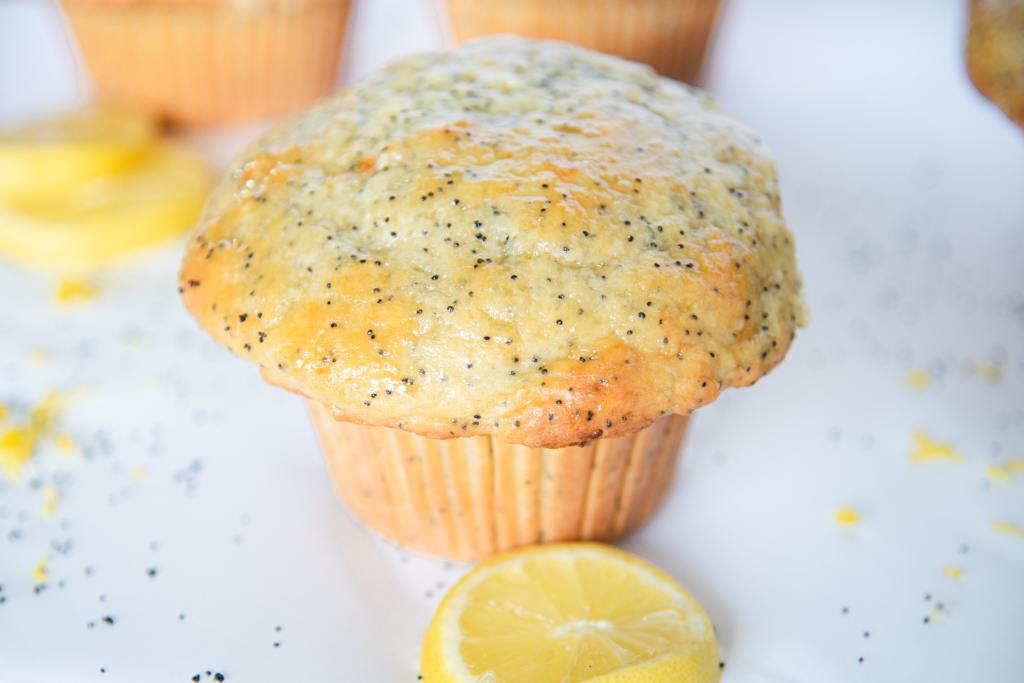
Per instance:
(468,498)
(670,35)
(203,61)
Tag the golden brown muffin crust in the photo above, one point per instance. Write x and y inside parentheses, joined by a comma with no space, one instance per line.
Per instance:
(517,238)
(995,53)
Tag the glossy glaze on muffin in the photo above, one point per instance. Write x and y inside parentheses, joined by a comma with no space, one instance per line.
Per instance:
(516,238)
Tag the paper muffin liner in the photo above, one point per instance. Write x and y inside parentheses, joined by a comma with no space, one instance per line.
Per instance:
(471,497)
(670,35)
(199,62)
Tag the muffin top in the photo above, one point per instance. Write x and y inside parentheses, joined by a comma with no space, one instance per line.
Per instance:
(518,238)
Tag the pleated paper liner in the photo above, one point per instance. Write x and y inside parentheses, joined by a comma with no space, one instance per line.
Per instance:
(670,35)
(211,61)
(468,498)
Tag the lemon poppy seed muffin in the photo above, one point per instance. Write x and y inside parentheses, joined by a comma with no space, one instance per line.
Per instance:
(201,62)
(672,36)
(519,241)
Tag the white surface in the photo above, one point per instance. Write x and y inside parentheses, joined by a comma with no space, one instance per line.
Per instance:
(903,187)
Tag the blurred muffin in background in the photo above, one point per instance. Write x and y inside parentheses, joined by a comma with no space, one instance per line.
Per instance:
(211,61)
(670,35)
(995,53)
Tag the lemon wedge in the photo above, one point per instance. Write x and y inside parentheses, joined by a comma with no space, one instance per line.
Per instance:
(57,154)
(93,222)
(569,612)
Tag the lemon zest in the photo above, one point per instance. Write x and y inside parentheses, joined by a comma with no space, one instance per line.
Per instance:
(74,291)
(990,372)
(50,500)
(918,379)
(65,444)
(19,443)
(925,449)
(1009,528)
(1005,470)
(39,574)
(846,515)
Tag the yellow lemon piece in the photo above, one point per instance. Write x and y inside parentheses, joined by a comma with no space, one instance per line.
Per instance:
(65,444)
(39,574)
(955,573)
(1009,528)
(16,447)
(846,515)
(41,417)
(918,379)
(55,155)
(925,449)
(50,500)
(18,443)
(998,473)
(1005,471)
(72,291)
(569,612)
(104,218)
(990,372)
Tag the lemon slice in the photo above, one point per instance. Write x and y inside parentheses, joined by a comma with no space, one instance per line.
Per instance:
(569,612)
(58,154)
(96,221)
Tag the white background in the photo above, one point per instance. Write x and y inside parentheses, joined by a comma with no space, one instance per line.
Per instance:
(904,189)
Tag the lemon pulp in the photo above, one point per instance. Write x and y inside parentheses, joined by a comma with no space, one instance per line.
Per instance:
(564,613)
